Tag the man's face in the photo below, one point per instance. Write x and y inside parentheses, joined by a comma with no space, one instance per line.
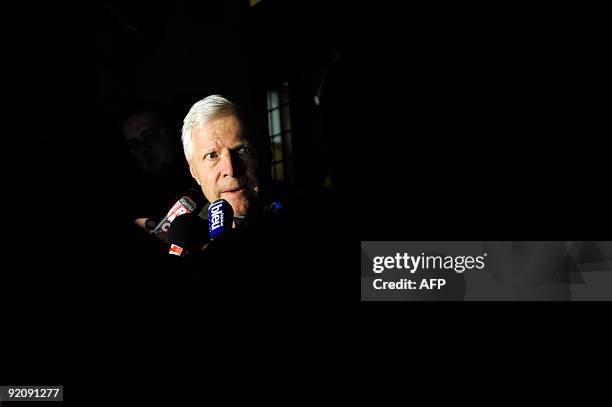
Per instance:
(224,163)
(148,142)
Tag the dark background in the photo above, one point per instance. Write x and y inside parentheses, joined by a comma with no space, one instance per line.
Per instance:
(442,122)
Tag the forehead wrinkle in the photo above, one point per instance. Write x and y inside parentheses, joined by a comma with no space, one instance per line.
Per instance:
(221,138)
(224,124)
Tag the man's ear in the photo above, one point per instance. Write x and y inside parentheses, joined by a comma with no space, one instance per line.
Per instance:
(193,173)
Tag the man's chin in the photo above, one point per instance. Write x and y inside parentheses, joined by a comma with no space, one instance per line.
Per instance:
(241,202)
(240,206)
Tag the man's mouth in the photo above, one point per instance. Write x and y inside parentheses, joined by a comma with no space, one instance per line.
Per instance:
(234,192)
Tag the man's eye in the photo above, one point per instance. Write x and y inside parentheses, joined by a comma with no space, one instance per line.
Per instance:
(211,156)
(244,150)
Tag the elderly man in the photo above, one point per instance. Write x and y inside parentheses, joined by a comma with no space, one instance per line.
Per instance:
(276,231)
(226,158)
(230,160)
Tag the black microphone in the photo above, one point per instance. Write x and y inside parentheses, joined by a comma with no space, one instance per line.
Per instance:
(188,233)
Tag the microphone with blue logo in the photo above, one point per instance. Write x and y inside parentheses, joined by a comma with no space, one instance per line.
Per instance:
(220,218)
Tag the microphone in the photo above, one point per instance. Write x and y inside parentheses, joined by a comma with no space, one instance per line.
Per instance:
(181,207)
(220,218)
(187,233)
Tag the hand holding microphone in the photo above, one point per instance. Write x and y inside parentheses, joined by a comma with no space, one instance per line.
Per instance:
(160,230)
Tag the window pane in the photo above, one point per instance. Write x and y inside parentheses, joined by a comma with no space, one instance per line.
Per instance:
(272,99)
(278,139)
(286,118)
(270,124)
(277,148)
(274,122)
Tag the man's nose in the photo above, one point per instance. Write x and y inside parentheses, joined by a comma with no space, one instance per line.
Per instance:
(230,165)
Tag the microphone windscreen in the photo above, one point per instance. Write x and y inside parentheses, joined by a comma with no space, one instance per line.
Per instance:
(187,232)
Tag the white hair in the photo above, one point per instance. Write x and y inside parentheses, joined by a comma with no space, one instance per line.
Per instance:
(202,112)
